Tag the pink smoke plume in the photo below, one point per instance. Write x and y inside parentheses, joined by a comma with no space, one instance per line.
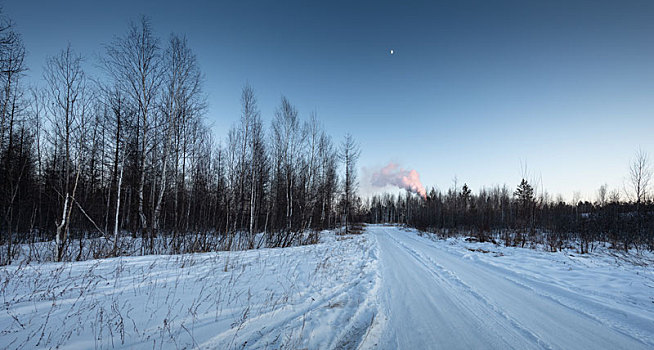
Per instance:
(392,174)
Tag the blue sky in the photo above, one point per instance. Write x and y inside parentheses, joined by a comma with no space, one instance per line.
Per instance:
(473,90)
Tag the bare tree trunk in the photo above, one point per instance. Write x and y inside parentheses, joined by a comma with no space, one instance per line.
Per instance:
(252,212)
(142,218)
(118,190)
(164,167)
(59,237)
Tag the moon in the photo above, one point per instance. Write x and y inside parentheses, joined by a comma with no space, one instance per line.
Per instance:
(392,52)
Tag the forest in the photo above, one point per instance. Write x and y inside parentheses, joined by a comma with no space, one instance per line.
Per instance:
(525,216)
(126,162)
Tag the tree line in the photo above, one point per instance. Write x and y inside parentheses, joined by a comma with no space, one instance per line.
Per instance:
(520,216)
(128,153)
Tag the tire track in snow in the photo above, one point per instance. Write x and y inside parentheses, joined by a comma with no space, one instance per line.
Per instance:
(555,324)
(456,283)
(361,325)
(425,309)
(265,330)
(564,297)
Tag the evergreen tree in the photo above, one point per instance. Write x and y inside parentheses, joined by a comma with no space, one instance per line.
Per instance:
(465,196)
(524,193)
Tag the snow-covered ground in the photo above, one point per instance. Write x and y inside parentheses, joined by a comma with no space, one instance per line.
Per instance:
(301,297)
(389,288)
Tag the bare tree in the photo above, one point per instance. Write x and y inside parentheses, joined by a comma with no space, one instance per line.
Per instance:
(349,155)
(328,162)
(602,195)
(135,64)
(12,127)
(182,102)
(253,155)
(640,174)
(614,196)
(66,93)
(310,169)
(12,57)
(287,138)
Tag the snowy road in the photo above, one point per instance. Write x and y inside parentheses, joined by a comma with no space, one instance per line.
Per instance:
(435,297)
(389,288)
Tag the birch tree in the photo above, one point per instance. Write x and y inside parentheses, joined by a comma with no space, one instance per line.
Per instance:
(66,83)
(134,62)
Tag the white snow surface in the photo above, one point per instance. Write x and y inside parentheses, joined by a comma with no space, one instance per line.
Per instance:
(390,288)
(314,296)
(451,294)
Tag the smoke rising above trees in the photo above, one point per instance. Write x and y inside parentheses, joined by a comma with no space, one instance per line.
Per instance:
(522,216)
(392,174)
